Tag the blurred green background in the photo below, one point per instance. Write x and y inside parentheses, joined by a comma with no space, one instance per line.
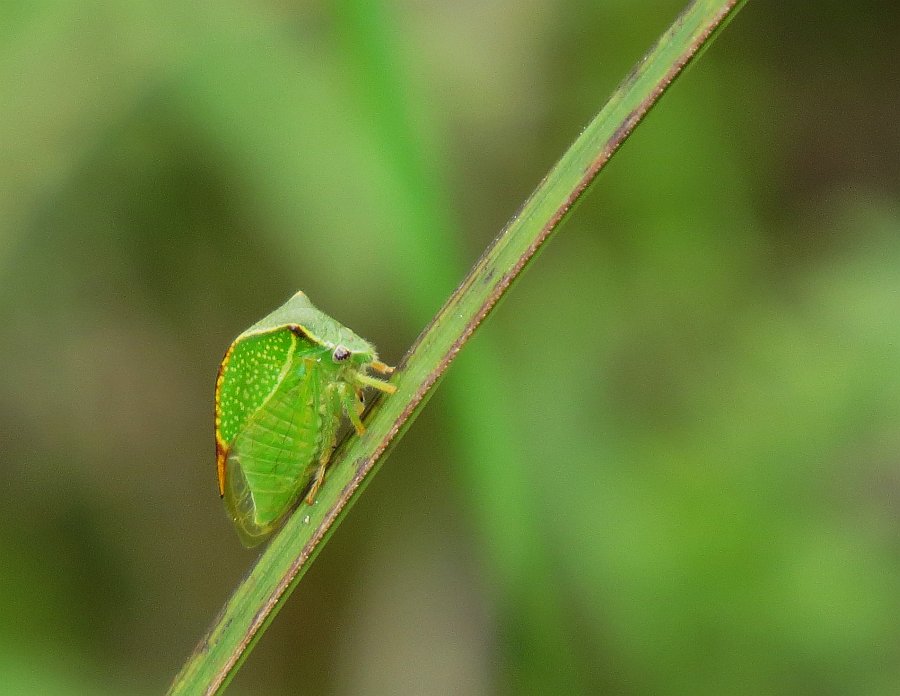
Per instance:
(668,464)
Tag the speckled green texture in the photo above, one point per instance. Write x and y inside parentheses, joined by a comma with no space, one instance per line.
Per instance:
(249,375)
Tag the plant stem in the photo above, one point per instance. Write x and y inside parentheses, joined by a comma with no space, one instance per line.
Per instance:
(262,593)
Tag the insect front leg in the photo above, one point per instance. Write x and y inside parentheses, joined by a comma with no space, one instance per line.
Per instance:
(360,401)
(361,379)
(352,403)
(381,367)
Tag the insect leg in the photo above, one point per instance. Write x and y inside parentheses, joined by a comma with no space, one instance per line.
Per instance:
(329,439)
(364,380)
(352,405)
(360,401)
(317,480)
(380,367)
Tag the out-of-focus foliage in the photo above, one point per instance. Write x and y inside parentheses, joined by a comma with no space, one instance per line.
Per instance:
(669,464)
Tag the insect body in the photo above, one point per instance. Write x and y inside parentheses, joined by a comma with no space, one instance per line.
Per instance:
(282,387)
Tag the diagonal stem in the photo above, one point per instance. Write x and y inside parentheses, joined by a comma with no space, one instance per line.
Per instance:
(261,594)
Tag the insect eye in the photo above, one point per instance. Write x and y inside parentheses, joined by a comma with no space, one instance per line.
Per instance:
(340,354)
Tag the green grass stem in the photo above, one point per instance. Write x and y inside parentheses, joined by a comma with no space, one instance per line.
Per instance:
(264,590)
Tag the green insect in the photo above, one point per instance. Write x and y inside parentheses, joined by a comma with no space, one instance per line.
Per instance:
(282,387)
